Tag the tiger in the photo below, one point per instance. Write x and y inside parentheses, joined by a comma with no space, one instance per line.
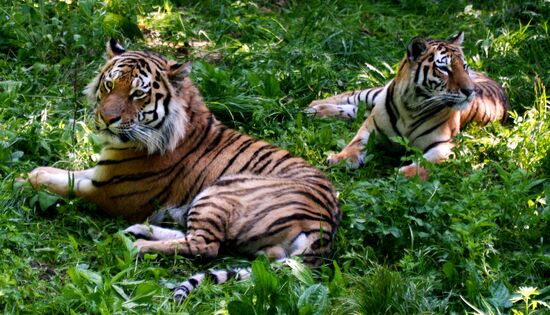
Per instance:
(166,157)
(433,95)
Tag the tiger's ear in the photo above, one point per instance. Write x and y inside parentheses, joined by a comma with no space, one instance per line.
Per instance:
(178,71)
(114,48)
(457,39)
(416,47)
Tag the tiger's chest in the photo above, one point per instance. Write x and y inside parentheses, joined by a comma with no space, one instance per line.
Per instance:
(421,130)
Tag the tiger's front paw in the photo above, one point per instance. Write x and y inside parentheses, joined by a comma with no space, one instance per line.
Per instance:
(318,108)
(144,246)
(352,160)
(414,170)
(42,176)
(322,108)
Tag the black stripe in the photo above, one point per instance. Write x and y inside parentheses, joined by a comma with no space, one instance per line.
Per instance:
(376,94)
(111,162)
(245,145)
(298,217)
(431,146)
(229,181)
(183,288)
(193,282)
(231,274)
(195,146)
(390,108)
(279,162)
(197,188)
(213,223)
(165,103)
(264,156)
(287,168)
(265,236)
(253,156)
(430,130)
(262,213)
(206,204)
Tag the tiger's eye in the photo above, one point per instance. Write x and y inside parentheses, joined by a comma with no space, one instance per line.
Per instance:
(139,93)
(109,85)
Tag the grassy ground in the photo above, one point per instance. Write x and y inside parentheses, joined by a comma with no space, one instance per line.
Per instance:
(464,241)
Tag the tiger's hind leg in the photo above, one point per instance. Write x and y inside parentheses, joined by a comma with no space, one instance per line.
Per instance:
(251,215)
(206,220)
(311,248)
(191,244)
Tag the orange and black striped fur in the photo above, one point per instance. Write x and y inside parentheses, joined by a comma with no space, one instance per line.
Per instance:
(163,147)
(432,97)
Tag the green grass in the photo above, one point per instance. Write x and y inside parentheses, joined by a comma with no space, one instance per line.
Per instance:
(464,241)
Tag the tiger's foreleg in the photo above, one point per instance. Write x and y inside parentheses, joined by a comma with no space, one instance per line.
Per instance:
(354,153)
(437,154)
(344,105)
(63,182)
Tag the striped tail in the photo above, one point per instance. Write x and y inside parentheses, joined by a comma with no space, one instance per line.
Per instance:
(182,291)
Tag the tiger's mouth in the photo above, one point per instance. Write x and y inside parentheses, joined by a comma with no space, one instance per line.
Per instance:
(110,136)
(460,101)
(461,105)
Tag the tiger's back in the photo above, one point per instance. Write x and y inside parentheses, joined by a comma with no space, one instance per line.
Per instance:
(489,104)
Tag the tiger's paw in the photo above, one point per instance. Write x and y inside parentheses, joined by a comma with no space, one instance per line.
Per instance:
(50,177)
(321,108)
(140,231)
(318,108)
(38,176)
(352,160)
(144,246)
(413,170)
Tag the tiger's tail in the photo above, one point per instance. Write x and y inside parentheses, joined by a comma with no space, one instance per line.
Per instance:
(182,291)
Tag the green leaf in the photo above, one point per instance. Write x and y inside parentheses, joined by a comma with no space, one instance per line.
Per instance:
(91,276)
(300,271)
(240,308)
(145,291)
(500,295)
(314,300)
(450,271)
(46,200)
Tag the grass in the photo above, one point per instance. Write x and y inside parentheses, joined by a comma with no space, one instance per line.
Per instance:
(465,241)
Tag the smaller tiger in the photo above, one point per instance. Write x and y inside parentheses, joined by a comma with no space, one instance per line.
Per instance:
(432,97)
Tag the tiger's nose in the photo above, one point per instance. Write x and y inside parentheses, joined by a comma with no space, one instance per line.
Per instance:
(109,119)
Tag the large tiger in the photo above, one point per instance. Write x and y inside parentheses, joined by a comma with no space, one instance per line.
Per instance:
(164,148)
(433,96)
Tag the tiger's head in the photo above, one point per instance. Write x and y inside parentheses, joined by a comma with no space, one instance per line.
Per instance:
(436,74)
(137,105)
